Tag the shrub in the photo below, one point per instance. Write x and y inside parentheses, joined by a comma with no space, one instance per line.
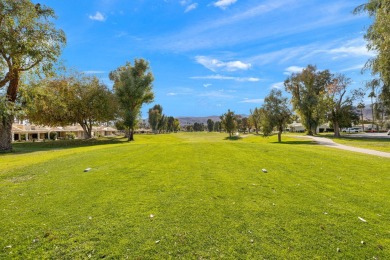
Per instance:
(53,135)
(70,135)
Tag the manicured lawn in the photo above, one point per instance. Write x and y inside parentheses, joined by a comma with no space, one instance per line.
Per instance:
(379,144)
(193,196)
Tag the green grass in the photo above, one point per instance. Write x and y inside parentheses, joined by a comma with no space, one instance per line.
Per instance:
(379,144)
(208,196)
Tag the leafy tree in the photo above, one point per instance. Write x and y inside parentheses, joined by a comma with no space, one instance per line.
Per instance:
(276,113)
(176,125)
(133,87)
(255,119)
(28,42)
(163,124)
(341,111)
(198,127)
(210,125)
(378,40)
(155,115)
(245,124)
(69,100)
(229,122)
(217,126)
(307,89)
(171,121)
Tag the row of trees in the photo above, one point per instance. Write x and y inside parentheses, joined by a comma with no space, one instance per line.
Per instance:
(316,97)
(161,123)
(77,99)
(274,114)
(320,96)
(29,42)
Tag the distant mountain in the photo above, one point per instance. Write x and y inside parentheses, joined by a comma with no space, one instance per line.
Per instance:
(190,120)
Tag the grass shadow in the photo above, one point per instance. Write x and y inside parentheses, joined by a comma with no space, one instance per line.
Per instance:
(29,147)
(308,142)
(233,138)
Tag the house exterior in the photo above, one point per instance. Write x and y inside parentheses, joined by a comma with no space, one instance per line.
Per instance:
(299,128)
(27,132)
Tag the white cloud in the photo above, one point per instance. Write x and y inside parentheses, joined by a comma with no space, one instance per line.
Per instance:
(98,17)
(278,85)
(215,65)
(185,2)
(293,69)
(207,85)
(356,67)
(171,94)
(215,94)
(247,100)
(217,31)
(94,72)
(352,50)
(191,7)
(223,4)
(221,77)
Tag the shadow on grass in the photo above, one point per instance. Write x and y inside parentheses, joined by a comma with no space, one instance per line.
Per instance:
(28,147)
(233,138)
(308,142)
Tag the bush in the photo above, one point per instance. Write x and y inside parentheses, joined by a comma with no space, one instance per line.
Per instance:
(70,136)
(53,135)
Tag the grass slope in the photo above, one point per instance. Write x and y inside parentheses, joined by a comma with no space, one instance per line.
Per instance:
(193,196)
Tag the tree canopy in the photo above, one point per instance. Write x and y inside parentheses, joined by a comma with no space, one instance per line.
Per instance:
(340,108)
(155,116)
(70,99)
(378,40)
(276,113)
(255,118)
(229,122)
(307,89)
(28,40)
(133,88)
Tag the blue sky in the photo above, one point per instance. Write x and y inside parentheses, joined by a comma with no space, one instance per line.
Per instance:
(211,56)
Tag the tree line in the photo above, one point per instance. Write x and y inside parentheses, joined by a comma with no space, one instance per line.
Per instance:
(30,45)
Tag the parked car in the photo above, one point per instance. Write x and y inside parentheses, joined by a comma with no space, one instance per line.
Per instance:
(351,130)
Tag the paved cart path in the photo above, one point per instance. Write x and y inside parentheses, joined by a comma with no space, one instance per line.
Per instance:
(328,142)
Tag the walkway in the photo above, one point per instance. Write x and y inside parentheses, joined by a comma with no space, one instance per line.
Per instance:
(330,143)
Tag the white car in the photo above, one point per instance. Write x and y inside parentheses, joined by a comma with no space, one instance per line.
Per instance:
(352,130)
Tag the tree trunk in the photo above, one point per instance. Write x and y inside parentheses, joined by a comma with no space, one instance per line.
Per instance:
(130,135)
(87,130)
(279,136)
(6,134)
(336,129)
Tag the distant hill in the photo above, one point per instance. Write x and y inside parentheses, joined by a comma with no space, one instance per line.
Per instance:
(190,120)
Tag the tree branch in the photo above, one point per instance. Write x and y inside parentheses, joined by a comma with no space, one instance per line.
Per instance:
(32,66)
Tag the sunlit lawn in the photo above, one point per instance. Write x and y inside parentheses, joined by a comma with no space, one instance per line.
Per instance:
(193,196)
(379,144)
